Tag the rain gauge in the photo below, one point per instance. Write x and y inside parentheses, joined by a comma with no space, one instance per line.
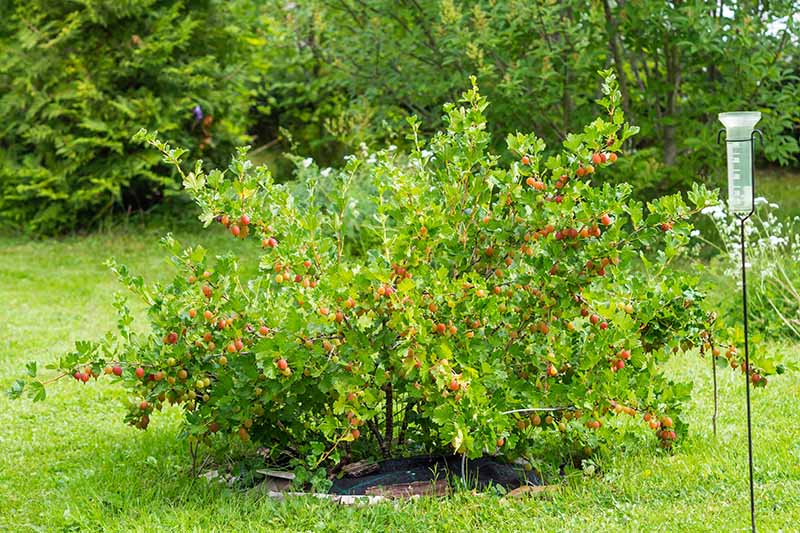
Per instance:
(739,139)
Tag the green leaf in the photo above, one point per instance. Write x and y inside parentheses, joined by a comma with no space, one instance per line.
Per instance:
(198,254)
(37,391)
(16,389)
(406,285)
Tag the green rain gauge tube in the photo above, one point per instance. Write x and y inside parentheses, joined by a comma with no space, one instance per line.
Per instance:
(739,136)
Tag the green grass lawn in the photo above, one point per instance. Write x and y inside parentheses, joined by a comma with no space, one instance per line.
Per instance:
(71,464)
(782,186)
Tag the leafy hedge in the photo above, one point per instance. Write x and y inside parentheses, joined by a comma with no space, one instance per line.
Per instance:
(77,79)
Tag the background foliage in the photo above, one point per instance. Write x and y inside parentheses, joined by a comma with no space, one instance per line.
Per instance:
(679,64)
(320,77)
(773,256)
(78,78)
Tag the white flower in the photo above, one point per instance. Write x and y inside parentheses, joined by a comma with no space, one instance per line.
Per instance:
(392,148)
(715,211)
(325,172)
(695,233)
(426,154)
(774,206)
(307,162)
(761,200)
(372,159)
(349,157)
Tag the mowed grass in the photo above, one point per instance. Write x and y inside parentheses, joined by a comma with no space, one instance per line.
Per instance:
(780,185)
(71,464)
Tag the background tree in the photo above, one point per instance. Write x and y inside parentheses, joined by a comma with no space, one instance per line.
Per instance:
(77,79)
(320,77)
(687,61)
(679,64)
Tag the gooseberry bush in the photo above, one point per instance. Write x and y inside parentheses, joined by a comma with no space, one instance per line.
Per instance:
(497,306)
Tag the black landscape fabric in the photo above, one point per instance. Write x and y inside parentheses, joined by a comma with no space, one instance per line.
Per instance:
(480,473)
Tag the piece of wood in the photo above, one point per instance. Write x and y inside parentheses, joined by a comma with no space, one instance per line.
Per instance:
(360,468)
(407,490)
(277,473)
(342,499)
(530,490)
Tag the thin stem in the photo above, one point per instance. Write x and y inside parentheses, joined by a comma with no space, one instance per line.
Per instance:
(373,427)
(533,409)
(401,437)
(330,451)
(389,429)
(51,380)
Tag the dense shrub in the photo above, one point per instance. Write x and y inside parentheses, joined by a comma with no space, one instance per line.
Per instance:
(77,79)
(498,309)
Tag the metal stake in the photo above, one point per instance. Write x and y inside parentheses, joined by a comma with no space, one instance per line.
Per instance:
(714,373)
(742,219)
(747,378)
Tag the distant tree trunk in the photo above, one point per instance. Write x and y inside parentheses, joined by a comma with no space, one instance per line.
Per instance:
(713,71)
(619,62)
(566,88)
(671,114)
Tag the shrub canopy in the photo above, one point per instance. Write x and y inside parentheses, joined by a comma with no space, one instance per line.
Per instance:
(487,290)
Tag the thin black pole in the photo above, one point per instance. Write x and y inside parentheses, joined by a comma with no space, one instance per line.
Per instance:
(743,218)
(747,378)
(714,373)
